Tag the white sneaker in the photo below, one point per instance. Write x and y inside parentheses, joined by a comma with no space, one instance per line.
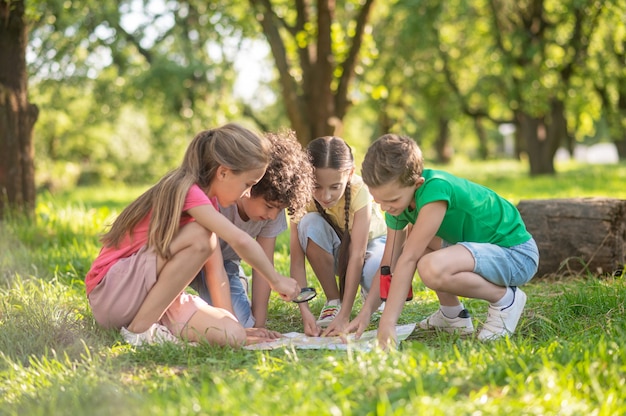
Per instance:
(461,324)
(501,322)
(156,334)
(328,313)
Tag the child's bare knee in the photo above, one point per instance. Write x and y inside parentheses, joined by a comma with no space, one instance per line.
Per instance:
(429,272)
(203,240)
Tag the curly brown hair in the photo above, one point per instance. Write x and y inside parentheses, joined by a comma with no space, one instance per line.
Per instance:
(289,178)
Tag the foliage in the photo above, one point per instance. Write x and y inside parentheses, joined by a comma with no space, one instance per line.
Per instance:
(124,86)
(54,359)
(606,70)
(406,82)
(450,67)
(318,50)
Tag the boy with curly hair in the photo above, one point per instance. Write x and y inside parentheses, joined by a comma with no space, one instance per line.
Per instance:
(287,184)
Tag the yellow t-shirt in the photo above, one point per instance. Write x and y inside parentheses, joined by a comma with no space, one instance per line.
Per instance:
(360,196)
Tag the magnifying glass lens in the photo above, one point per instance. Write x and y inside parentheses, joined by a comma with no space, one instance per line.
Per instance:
(305,295)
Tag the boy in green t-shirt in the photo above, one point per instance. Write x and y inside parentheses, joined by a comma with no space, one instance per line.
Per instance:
(465,240)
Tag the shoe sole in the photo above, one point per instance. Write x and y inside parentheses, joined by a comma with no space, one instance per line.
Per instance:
(451,329)
(448,330)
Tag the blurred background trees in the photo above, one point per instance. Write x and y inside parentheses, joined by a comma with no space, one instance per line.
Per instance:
(17,114)
(121,87)
(316,52)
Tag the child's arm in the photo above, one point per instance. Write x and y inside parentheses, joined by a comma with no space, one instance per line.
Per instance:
(428,222)
(246,247)
(297,268)
(356,258)
(393,245)
(260,287)
(298,272)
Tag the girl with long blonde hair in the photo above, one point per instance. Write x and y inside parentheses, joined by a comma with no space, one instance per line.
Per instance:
(162,240)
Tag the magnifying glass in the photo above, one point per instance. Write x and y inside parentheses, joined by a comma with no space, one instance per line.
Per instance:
(305,295)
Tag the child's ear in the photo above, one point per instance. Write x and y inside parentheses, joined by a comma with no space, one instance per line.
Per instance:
(222,172)
(419,182)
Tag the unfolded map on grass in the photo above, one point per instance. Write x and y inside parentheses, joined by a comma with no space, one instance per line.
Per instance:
(301,341)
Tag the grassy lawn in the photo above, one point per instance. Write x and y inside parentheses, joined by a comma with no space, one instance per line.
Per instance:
(566,358)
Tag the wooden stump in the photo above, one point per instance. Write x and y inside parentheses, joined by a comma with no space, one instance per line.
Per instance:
(578,234)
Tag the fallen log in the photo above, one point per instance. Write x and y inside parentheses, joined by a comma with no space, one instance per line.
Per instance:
(577,235)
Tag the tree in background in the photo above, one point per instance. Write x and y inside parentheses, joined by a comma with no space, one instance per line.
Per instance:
(17,114)
(126,84)
(406,85)
(494,62)
(532,55)
(607,72)
(317,56)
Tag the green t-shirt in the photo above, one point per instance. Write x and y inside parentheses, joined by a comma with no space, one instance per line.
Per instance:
(475,213)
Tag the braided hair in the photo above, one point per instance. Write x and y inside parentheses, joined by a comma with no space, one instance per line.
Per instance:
(334,153)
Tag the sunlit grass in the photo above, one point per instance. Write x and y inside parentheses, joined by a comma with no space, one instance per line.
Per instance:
(567,357)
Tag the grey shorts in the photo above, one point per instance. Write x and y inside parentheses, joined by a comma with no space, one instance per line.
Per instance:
(314,227)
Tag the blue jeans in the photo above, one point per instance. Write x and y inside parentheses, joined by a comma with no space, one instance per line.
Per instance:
(238,296)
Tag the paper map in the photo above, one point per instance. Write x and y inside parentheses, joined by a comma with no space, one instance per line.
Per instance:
(301,341)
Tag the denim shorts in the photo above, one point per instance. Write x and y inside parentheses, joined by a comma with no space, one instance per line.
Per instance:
(314,227)
(238,295)
(504,266)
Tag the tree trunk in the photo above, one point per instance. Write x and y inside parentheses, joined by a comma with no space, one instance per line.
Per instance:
(578,234)
(17,115)
(442,146)
(535,141)
(483,150)
(316,100)
(541,137)
(557,128)
(621,148)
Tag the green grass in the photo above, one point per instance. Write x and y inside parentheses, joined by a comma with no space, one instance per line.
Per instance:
(566,358)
